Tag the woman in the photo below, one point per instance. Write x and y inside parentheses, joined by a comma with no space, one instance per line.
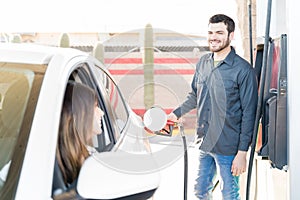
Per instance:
(80,121)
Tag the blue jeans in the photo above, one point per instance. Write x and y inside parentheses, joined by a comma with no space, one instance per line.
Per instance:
(209,164)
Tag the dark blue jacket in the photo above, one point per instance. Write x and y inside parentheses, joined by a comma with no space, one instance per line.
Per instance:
(225,97)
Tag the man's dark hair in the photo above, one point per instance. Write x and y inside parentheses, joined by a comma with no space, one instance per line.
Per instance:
(225,19)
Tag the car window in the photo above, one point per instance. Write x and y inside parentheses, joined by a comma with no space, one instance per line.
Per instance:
(104,141)
(118,106)
(15,87)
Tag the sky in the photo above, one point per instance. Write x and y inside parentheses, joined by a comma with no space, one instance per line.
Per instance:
(182,16)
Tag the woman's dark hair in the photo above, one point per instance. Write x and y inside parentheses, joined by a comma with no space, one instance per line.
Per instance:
(76,126)
(225,19)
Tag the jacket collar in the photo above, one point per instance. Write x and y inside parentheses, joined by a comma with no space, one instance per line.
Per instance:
(229,58)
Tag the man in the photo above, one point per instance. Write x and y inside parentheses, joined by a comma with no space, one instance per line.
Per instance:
(224,92)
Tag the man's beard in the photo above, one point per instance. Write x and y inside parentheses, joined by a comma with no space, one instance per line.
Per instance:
(227,43)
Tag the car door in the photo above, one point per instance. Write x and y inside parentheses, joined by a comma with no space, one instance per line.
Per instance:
(114,123)
(81,73)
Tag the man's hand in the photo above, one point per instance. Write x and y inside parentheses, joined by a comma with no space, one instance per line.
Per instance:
(172,117)
(239,163)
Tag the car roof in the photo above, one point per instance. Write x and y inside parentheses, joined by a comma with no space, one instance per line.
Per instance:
(33,53)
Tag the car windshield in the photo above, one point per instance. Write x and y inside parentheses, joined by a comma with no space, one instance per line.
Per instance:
(15,88)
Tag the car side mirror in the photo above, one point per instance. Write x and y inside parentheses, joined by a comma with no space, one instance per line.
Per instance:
(112,175)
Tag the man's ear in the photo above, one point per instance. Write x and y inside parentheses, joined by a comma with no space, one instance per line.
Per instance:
(231,36)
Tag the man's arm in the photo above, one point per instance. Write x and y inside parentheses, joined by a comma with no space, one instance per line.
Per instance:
(191,100)
(248,97)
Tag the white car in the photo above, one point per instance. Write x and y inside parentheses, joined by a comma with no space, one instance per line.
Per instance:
(33,80)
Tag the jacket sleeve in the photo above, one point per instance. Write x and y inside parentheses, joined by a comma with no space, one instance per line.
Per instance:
(248,97)
(191,100)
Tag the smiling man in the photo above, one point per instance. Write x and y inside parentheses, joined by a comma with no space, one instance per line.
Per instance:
(224,92)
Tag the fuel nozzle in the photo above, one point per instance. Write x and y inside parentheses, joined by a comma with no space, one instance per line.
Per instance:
(168,129)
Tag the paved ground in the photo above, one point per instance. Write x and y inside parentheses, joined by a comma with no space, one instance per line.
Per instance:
(172,175)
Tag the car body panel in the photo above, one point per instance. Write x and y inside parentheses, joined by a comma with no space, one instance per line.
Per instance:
(94,185)
(33,53)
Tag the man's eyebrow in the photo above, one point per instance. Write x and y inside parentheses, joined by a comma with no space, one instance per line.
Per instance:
(220,31)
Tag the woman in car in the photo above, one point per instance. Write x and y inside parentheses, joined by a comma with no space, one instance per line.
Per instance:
(80,121)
